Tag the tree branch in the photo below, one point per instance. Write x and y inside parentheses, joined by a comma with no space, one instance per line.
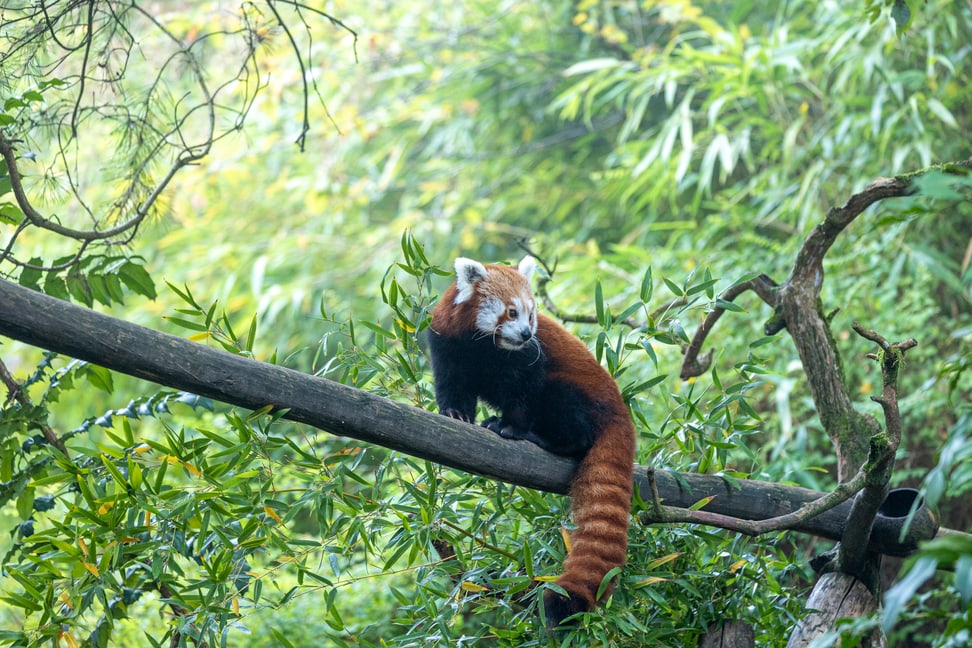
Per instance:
(43,321)
(800,311)
(853,555)
(695,365)
(15,392)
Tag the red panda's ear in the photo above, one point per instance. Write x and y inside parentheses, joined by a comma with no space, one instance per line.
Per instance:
(468,272)
(527,266)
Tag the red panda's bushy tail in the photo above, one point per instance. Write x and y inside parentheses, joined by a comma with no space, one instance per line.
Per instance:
(601,503)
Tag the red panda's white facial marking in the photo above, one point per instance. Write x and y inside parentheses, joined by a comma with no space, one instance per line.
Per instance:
(506,310)
(516,324)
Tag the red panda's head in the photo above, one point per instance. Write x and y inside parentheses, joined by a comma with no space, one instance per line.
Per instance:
(500,299)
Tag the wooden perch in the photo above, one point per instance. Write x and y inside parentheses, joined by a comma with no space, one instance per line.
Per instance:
(59,326)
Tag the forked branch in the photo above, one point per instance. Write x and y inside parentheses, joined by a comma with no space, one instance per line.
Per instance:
(852,557)
(695,364)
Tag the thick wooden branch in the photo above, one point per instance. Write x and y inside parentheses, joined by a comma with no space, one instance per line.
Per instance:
(856,436)
(45,322)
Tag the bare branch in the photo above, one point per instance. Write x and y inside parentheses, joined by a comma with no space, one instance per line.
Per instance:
(38,220)
(300,6)
(695,365)
(305,128)
(154,135)
(802,515)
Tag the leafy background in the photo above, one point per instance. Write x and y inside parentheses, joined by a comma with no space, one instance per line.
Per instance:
(650,152)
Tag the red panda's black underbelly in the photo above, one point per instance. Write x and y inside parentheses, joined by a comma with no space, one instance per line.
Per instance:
(516,384)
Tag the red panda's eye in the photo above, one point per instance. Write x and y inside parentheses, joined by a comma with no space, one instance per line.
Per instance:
(512,313)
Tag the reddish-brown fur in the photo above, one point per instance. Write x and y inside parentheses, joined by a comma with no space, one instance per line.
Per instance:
(601,486)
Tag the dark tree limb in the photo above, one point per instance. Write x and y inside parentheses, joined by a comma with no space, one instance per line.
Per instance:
(45,322)
(865,453)
(694,364)
(807,510)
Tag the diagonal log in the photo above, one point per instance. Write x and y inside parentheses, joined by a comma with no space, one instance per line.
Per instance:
(48,323)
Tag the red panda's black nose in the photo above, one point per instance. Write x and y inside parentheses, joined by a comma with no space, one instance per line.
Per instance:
(526,333)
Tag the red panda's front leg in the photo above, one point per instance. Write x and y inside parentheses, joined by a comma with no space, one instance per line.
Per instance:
(455,392)
(515,420)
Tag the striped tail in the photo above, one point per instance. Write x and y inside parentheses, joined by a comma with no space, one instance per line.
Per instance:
(601,502)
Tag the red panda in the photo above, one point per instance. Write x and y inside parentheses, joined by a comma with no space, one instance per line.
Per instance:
(487,341)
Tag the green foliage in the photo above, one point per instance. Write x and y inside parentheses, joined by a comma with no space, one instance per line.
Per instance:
(93,278)
(952,476)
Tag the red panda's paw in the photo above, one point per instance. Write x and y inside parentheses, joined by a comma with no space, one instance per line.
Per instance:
(456,414)
(505,430)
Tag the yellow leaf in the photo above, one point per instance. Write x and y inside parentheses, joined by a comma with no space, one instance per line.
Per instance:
(269,511)
(658,562)
(91,568)
(104,508)
(410,329)
(66,600)
(469,586)
(651,580)
(83,546)
(68,639)
(236,606)
(188,466)
(736,566)
(701,503)
(566,536)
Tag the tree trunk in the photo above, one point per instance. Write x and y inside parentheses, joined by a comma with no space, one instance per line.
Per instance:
(733,634)
(836,596)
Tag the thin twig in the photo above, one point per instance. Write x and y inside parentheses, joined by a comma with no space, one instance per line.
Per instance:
(305,127)
(15,392)
(810,510)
